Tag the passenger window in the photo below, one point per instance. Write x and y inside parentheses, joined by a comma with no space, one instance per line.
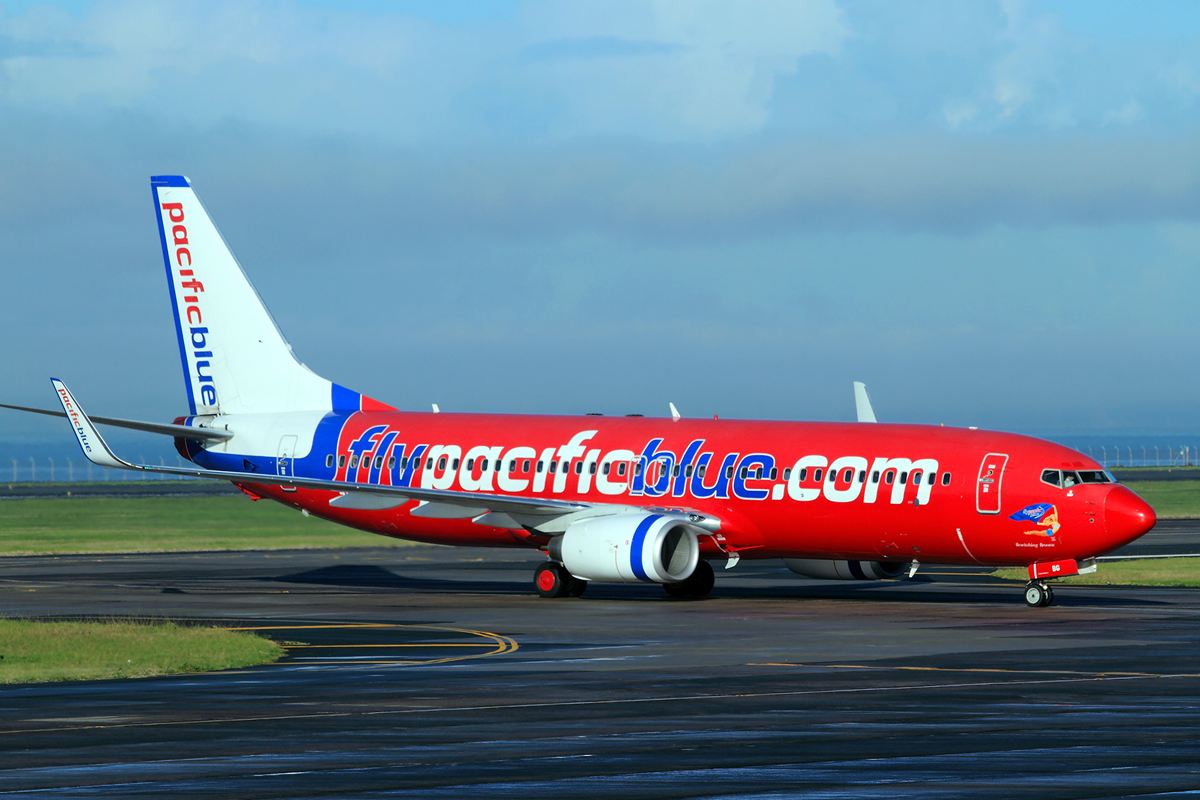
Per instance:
(579,468)
(637,468)
(429,462)
(553,467)
(916,477)
(392,463)
(945,479)
(862,476)
(512,466)
(703,469)
(455,465)
(832,476)
(484,467)
(442,462)
(525,466)
(341,461)
(817,476)
(621,469)
(592,468)
(875,476)
(329,460)
(932,478)
(889,477)
(539,467)
(804,474)
(848,475)
(607,466)
(353,462)
(378,462)
(404,463)
(728,473)
(903,478)
(787,474)
(1052,477)
(774,472)
(688,472)
(745,470)
(470,465)
(675,472)
(758,472)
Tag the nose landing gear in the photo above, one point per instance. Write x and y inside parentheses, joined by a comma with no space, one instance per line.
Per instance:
(1038,594)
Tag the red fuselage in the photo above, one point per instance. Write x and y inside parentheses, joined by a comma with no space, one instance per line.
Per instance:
(810,490)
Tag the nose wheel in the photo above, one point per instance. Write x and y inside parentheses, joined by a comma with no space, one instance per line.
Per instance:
(1038,594)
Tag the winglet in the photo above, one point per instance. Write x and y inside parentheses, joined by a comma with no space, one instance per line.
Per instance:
(863,403)
(674,412)
(94,446)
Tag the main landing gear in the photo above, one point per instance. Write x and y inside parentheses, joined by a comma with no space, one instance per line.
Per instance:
(1038,594)
(553,580)
(698,584)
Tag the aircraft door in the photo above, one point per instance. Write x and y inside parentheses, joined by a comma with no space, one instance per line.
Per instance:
(987,488)
(284,464)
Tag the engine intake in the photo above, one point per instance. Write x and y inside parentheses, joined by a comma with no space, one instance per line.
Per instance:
(845,570)
(628,548)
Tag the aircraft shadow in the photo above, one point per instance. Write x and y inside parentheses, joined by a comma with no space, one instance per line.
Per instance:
(375,577)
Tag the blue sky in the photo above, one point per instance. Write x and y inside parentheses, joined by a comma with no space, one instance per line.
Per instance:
(988,211)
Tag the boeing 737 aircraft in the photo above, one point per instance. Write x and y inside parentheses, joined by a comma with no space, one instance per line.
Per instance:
(624,499)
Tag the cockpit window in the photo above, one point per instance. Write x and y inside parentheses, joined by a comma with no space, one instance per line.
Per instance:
(1070,479)
(1095,476)
(1052,477)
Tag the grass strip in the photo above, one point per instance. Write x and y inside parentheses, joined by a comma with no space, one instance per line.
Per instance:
(37,652)
(1143,572)
(1170,499)
(159,524)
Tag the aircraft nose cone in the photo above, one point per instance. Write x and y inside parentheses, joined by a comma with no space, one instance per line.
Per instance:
(1126,516)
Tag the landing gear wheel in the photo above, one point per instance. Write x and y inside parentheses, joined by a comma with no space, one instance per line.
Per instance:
(1038,594)
(552,580)
(1049,595)
(698,584)
(577,587)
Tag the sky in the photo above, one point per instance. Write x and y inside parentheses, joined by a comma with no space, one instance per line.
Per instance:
(987,211)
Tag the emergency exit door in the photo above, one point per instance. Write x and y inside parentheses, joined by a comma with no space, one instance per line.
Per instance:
(987,488)
(287,455)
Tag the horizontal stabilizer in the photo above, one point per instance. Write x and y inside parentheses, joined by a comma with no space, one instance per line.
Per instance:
(165,428)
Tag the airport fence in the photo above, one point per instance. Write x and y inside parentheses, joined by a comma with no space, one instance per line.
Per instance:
(66,470)
(1112,456)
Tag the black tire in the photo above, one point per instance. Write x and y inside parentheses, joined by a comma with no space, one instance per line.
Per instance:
(1049,595)
(702,580)
(577,587)
(551,580)
(1035,594)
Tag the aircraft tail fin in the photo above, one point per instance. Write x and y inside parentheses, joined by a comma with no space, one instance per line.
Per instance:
(235,359)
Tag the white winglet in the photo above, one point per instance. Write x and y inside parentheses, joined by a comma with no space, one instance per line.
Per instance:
(94,447)
(674,412)
(863,403)
(436,410)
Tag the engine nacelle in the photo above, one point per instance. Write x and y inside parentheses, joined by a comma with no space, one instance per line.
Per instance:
(628,548)
(845,570)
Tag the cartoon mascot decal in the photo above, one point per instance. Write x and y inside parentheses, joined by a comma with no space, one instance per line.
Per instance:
(1042,514)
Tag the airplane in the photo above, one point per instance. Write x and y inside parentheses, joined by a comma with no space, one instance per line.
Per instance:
(608,499)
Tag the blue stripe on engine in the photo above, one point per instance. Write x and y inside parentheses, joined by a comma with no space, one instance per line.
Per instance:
(635,548)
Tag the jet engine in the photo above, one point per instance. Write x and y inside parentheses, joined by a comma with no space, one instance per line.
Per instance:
(846,570)
(628,548)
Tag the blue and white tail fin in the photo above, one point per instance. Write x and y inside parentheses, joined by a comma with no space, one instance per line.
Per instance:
(235,360)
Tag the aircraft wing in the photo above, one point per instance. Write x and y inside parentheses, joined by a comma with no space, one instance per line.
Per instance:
(546,514)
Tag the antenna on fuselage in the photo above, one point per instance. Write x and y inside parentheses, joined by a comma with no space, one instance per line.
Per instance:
(863,403)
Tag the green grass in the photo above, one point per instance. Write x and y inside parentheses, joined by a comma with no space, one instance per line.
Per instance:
(1170,499)
(153,524)
(35,652)
(1143,572)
